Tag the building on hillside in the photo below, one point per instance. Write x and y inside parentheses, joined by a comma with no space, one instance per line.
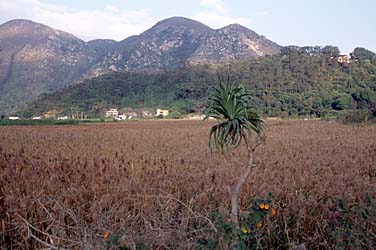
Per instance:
(13,118)
(112,113)
(163,112)
(344,59)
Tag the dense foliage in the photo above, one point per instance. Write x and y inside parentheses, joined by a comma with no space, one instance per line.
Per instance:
(300,81)
(229,105)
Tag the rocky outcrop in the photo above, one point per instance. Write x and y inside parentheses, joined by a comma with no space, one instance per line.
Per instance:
(231,43)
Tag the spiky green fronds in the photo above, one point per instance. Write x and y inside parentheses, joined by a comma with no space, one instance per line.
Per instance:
(230,105)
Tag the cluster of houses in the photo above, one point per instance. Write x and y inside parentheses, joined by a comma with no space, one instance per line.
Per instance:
(130,114)
(114,113)
(124,114)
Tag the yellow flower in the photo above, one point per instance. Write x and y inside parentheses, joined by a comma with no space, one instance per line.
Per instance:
(262,205)
(274,212)
(106,234)
(244,230)
(258,225)
(266,207)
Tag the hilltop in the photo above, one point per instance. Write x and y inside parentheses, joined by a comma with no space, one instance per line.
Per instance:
(37,59)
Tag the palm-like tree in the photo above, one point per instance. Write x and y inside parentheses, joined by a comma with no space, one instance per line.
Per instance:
(230,105)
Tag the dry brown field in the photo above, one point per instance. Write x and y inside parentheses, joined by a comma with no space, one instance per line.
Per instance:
(156,185)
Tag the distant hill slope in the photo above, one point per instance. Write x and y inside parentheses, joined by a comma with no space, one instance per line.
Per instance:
(298,81)
(36,59)
(183,87)
(166,45)
(231,43)
(102,46)
(178,41)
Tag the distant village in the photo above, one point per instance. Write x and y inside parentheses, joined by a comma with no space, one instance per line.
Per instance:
(112,114)
(130,114)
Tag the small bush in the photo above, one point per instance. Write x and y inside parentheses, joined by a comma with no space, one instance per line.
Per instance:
(175,115)
(354,116)
(267,226)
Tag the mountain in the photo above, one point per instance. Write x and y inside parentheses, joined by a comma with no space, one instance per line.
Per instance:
(230,43)
(178,41)
(102,46)
(37,59)
(165,46)
(306,81)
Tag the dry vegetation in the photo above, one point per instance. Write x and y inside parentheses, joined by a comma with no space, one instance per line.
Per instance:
(155,185)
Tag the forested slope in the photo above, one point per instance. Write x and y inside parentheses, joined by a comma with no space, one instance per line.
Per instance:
(298,81)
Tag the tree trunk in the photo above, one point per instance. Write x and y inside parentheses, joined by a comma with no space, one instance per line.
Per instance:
(234,206)
(234,190)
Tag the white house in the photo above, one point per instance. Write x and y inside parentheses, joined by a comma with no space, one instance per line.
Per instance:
(36,118)
(13,118)
(196,117)
(146,113)
(112,113)
(163,112)
(121,117)
(131,114)
(127,116)
(62,118)
(344,59)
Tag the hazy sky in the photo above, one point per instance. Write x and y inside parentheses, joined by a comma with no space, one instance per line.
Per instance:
(343,23)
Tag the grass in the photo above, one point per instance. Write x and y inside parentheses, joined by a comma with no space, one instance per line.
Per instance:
(28,122)
(155,185)
(37,122)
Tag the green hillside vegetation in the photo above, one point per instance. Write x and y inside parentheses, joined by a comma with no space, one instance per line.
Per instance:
(300,81)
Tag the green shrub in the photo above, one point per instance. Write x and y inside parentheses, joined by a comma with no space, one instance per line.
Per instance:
(354,116)
(175,115)
(272,227)
(37,122)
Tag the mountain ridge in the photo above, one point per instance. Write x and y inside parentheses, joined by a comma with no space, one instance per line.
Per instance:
(37,59)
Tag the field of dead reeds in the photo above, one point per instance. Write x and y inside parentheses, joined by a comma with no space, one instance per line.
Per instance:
(155,185)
